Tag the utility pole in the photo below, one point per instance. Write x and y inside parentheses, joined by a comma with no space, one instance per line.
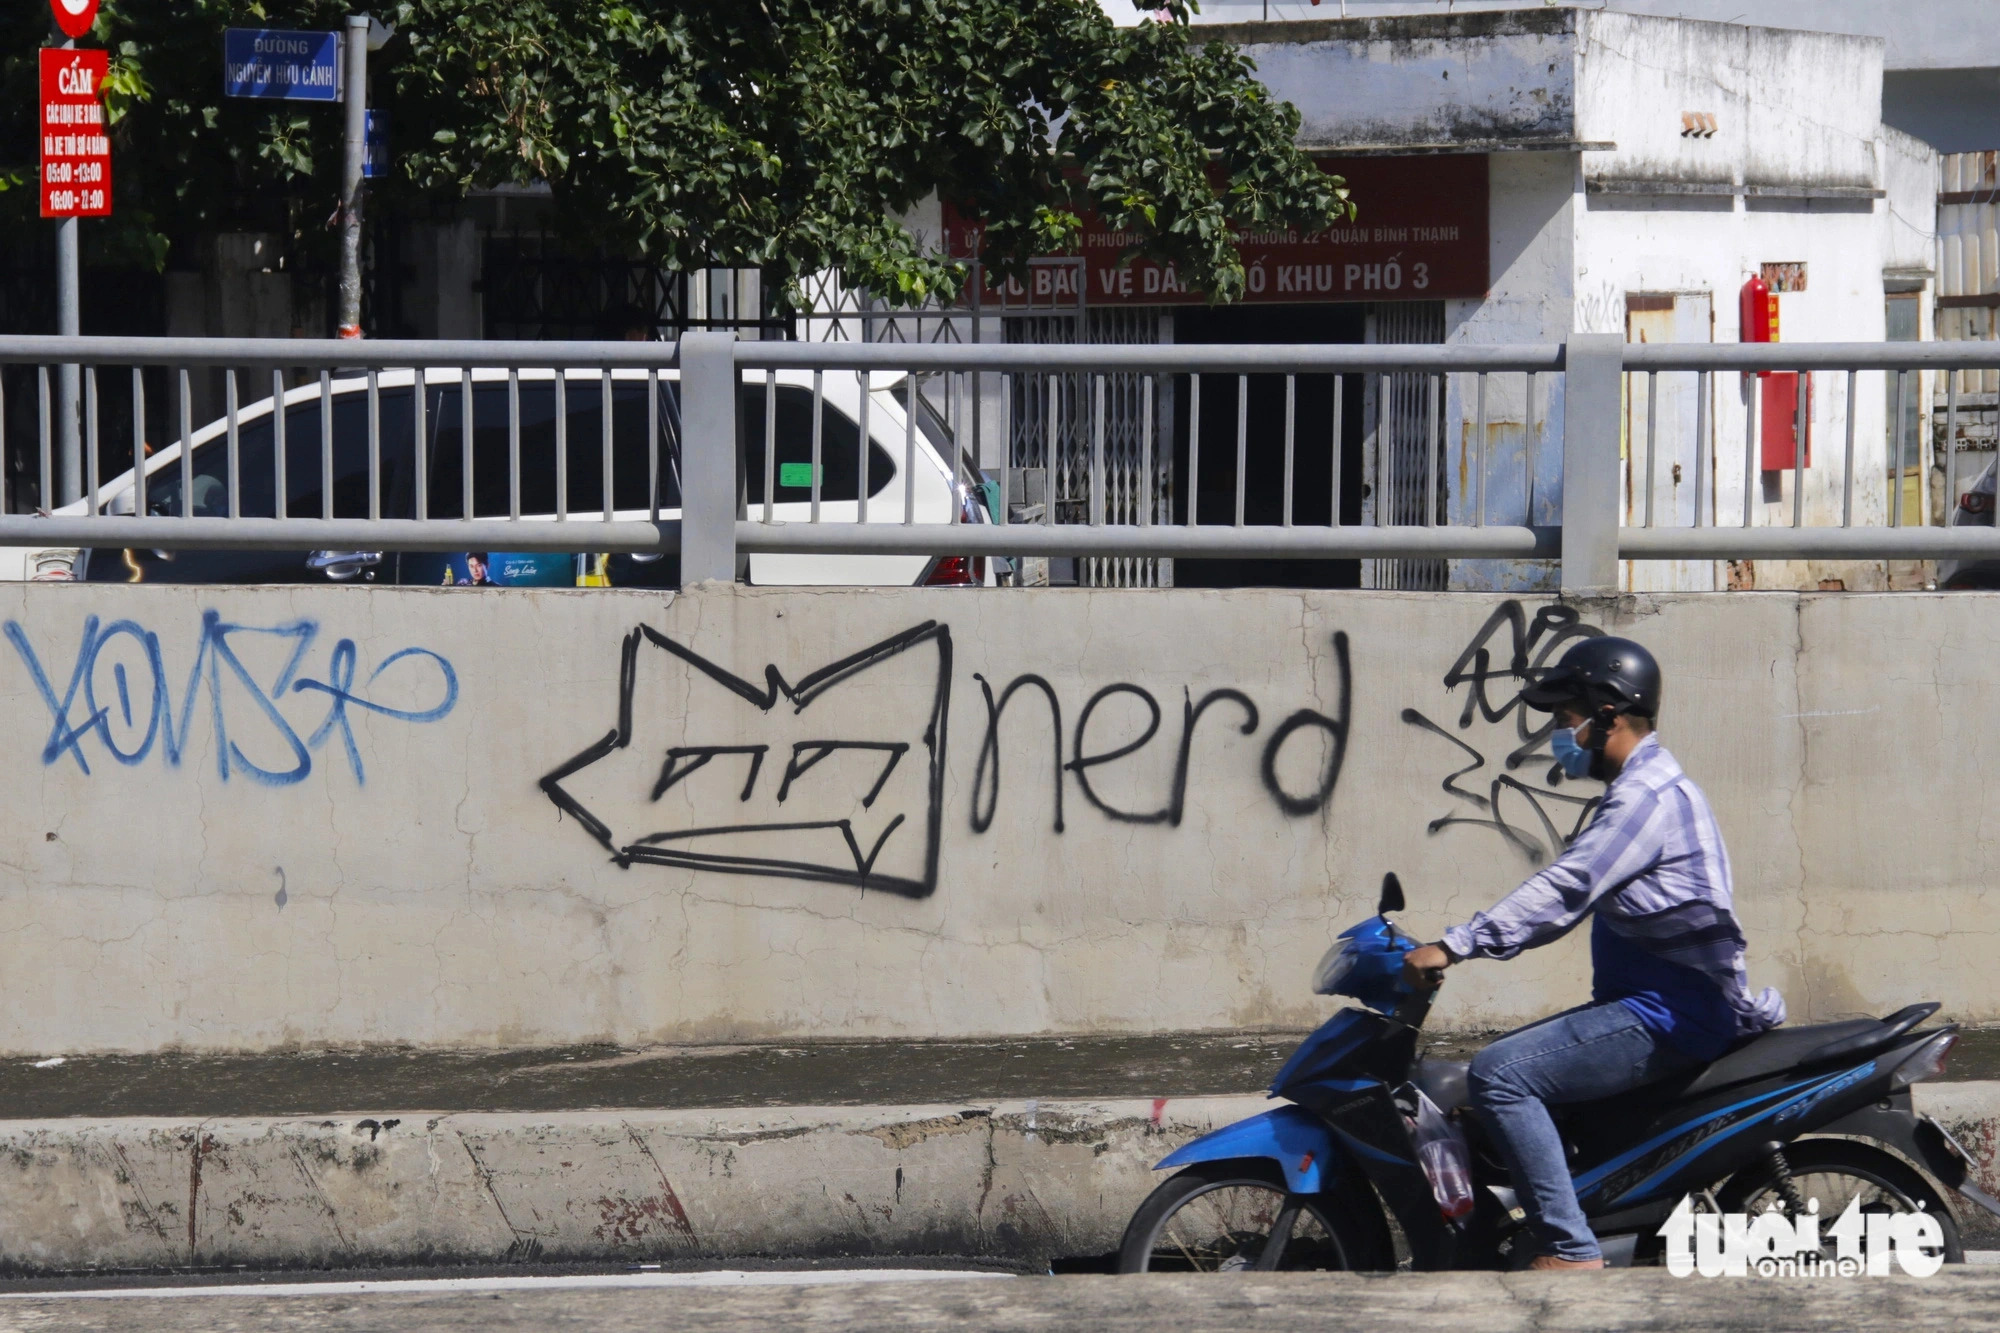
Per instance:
(69,388)
(348,321)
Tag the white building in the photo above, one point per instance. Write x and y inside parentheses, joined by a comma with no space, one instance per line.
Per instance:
(1638,170)
(1940,60)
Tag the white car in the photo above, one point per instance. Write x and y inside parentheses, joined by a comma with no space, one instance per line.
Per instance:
(934,494)
(1974,510)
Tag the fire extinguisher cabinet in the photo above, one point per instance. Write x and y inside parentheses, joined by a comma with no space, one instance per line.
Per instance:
(1784,434)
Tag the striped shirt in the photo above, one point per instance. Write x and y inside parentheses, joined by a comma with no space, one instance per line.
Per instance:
(1652,865)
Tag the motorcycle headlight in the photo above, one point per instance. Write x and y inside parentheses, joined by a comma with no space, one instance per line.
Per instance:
(1927,1061)
(1333,969)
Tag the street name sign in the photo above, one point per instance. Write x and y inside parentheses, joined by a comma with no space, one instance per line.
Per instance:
(276,62)
(76,152)
(375,145)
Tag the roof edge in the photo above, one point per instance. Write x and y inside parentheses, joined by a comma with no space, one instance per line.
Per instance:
(1540,21)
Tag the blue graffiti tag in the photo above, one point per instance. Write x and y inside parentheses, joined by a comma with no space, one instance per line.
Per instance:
(216,661)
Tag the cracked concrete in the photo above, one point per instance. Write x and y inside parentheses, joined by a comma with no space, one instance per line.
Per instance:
(1026,1180)
(445,902)
(1022,1179)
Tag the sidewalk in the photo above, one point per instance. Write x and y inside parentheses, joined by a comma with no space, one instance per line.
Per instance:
(842,1073)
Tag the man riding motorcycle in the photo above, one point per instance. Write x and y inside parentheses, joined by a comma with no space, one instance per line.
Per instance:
(1668,990)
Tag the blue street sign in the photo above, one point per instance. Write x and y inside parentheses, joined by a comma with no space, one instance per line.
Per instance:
(375,148)
(273,62)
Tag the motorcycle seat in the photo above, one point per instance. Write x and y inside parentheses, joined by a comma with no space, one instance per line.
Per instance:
(1443,1081)
(1780,1049)
(1767,1053)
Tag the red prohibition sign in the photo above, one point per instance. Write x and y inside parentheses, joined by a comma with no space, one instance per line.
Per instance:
(74,17)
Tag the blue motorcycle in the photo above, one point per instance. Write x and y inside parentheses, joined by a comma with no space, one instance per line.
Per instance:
(1377,1131)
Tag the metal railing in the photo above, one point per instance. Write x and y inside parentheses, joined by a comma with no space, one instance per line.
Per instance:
(1850,525)
(1071,517)
(343,450)
(1592,452)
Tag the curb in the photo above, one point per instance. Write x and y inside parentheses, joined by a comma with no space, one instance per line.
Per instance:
(1020,1179)
(1024,1179)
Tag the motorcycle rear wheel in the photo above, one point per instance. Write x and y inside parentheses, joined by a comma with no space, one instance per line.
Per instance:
(1836,1171)
(1237,1216)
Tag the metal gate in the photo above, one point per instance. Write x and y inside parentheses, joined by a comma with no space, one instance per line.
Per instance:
(1056,420)
(1405,462)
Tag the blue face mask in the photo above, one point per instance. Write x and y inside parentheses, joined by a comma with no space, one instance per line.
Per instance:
(1575,760)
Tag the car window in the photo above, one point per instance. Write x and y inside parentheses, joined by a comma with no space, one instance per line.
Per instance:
(629,448)
(840,465)
(256,473)
(584,447)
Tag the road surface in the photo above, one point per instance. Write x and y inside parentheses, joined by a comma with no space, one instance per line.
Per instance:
(1959,1298)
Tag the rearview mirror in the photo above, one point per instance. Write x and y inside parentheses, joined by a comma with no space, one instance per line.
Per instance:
(1392,895)
(342,565)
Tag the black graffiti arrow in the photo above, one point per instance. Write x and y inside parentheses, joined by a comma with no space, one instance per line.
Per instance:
(679,847)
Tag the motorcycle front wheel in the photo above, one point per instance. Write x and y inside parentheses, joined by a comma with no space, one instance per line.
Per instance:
(1237,1217)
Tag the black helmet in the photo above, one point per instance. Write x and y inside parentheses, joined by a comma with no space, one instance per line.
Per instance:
(1601,672)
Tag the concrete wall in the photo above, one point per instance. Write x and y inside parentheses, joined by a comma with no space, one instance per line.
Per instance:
(1423,80)
(243,818)
(1910,175)
(1791,108)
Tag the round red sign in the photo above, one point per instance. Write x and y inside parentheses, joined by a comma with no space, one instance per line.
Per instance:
(74,17)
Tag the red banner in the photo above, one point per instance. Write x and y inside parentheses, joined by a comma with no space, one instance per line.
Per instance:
(76,152)
(1420,234)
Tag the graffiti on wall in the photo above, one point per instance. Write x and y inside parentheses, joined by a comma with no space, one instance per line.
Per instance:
(1086,755)
(706,769)
(1535,817)
(781,785)
(120,700)
(830,806)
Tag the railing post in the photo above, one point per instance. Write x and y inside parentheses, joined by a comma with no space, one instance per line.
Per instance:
(1593,364)
(708,457)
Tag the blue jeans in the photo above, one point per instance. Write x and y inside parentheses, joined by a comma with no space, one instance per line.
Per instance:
(1594,1051)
